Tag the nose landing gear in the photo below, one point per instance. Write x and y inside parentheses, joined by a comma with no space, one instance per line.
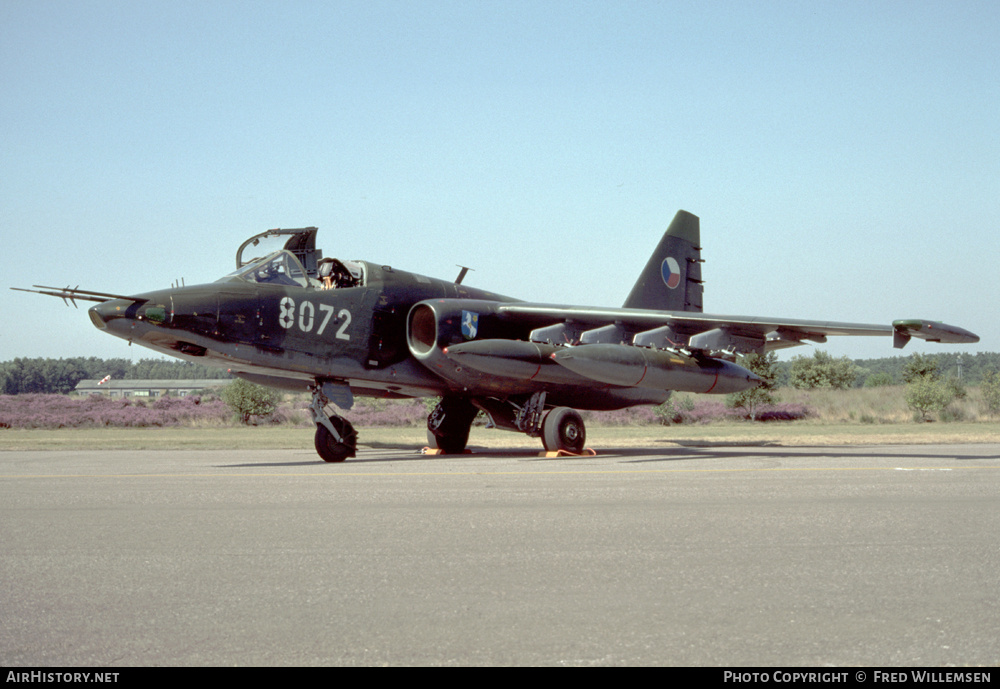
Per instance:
(336,439)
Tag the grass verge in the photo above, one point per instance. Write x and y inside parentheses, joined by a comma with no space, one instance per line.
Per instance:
(263,438)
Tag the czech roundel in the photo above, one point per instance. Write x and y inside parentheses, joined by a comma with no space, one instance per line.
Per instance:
(671,272)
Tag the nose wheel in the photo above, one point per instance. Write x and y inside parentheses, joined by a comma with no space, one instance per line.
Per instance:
(336,439)
(331,449)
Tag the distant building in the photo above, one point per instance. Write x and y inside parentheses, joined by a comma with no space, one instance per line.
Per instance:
(148,388)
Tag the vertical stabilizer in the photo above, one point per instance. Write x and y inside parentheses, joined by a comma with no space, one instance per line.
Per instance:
(671,280)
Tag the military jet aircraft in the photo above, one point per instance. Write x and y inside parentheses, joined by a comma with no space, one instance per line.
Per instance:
(295,320)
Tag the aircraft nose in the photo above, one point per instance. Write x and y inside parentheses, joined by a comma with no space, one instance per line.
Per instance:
(107,311)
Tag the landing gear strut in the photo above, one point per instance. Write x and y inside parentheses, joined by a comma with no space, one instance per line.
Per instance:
(560,428)
(448,425)
(336,439)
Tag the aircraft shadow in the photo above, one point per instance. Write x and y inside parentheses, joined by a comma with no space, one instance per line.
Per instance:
(628,455)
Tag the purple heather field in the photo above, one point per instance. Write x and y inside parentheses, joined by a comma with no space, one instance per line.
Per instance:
(97,411)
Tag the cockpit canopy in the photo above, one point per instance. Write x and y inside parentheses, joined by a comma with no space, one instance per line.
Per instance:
(299,263)
(279,268)
(283,268)
(301,242)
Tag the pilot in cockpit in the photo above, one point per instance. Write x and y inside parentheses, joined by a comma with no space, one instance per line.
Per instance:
(334,274)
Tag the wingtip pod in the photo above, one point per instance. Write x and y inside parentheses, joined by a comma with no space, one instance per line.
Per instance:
(932,331)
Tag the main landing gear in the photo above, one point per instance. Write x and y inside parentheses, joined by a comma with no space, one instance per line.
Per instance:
(448,425)
(563,429)
(560,428)
(336,439)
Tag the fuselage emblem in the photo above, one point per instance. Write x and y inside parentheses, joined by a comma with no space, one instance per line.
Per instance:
(671,272)
(470,324)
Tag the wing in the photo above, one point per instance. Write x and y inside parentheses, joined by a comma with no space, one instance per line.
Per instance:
(664,310)
(705,332)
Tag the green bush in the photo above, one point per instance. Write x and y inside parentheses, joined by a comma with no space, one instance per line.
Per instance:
(925,396)
(821,370)
(249,400)
(920,366)
(752,399)
(991,392)
(879,380)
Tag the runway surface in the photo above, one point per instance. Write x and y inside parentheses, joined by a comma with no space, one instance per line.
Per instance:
(679,556)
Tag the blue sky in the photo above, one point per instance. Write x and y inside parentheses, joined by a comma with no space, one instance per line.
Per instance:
(844,157)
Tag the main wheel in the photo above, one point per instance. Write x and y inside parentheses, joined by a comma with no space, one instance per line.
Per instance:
(563,429)
(449,424)
(327,446)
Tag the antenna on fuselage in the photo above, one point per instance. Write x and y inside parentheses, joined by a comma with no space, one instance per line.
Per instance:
(461,275)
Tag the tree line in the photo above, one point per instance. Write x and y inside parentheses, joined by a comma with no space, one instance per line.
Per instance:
(60,376)
(929,389)
(24,375)
(971,369)
(823,370)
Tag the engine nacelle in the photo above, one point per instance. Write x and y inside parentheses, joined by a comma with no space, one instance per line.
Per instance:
(434,324)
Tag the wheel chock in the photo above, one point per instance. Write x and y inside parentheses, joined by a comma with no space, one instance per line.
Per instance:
(586,452)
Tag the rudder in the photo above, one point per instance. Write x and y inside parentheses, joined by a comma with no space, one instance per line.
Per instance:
(671,280)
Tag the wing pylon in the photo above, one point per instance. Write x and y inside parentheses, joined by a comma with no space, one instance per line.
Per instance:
(704,332)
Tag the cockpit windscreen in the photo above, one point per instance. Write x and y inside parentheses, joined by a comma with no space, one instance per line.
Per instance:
(279,268)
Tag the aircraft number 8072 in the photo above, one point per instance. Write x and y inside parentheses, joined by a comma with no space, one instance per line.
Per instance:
(530,385)
(307,317)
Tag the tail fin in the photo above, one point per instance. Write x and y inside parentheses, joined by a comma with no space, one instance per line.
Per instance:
(671,280)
